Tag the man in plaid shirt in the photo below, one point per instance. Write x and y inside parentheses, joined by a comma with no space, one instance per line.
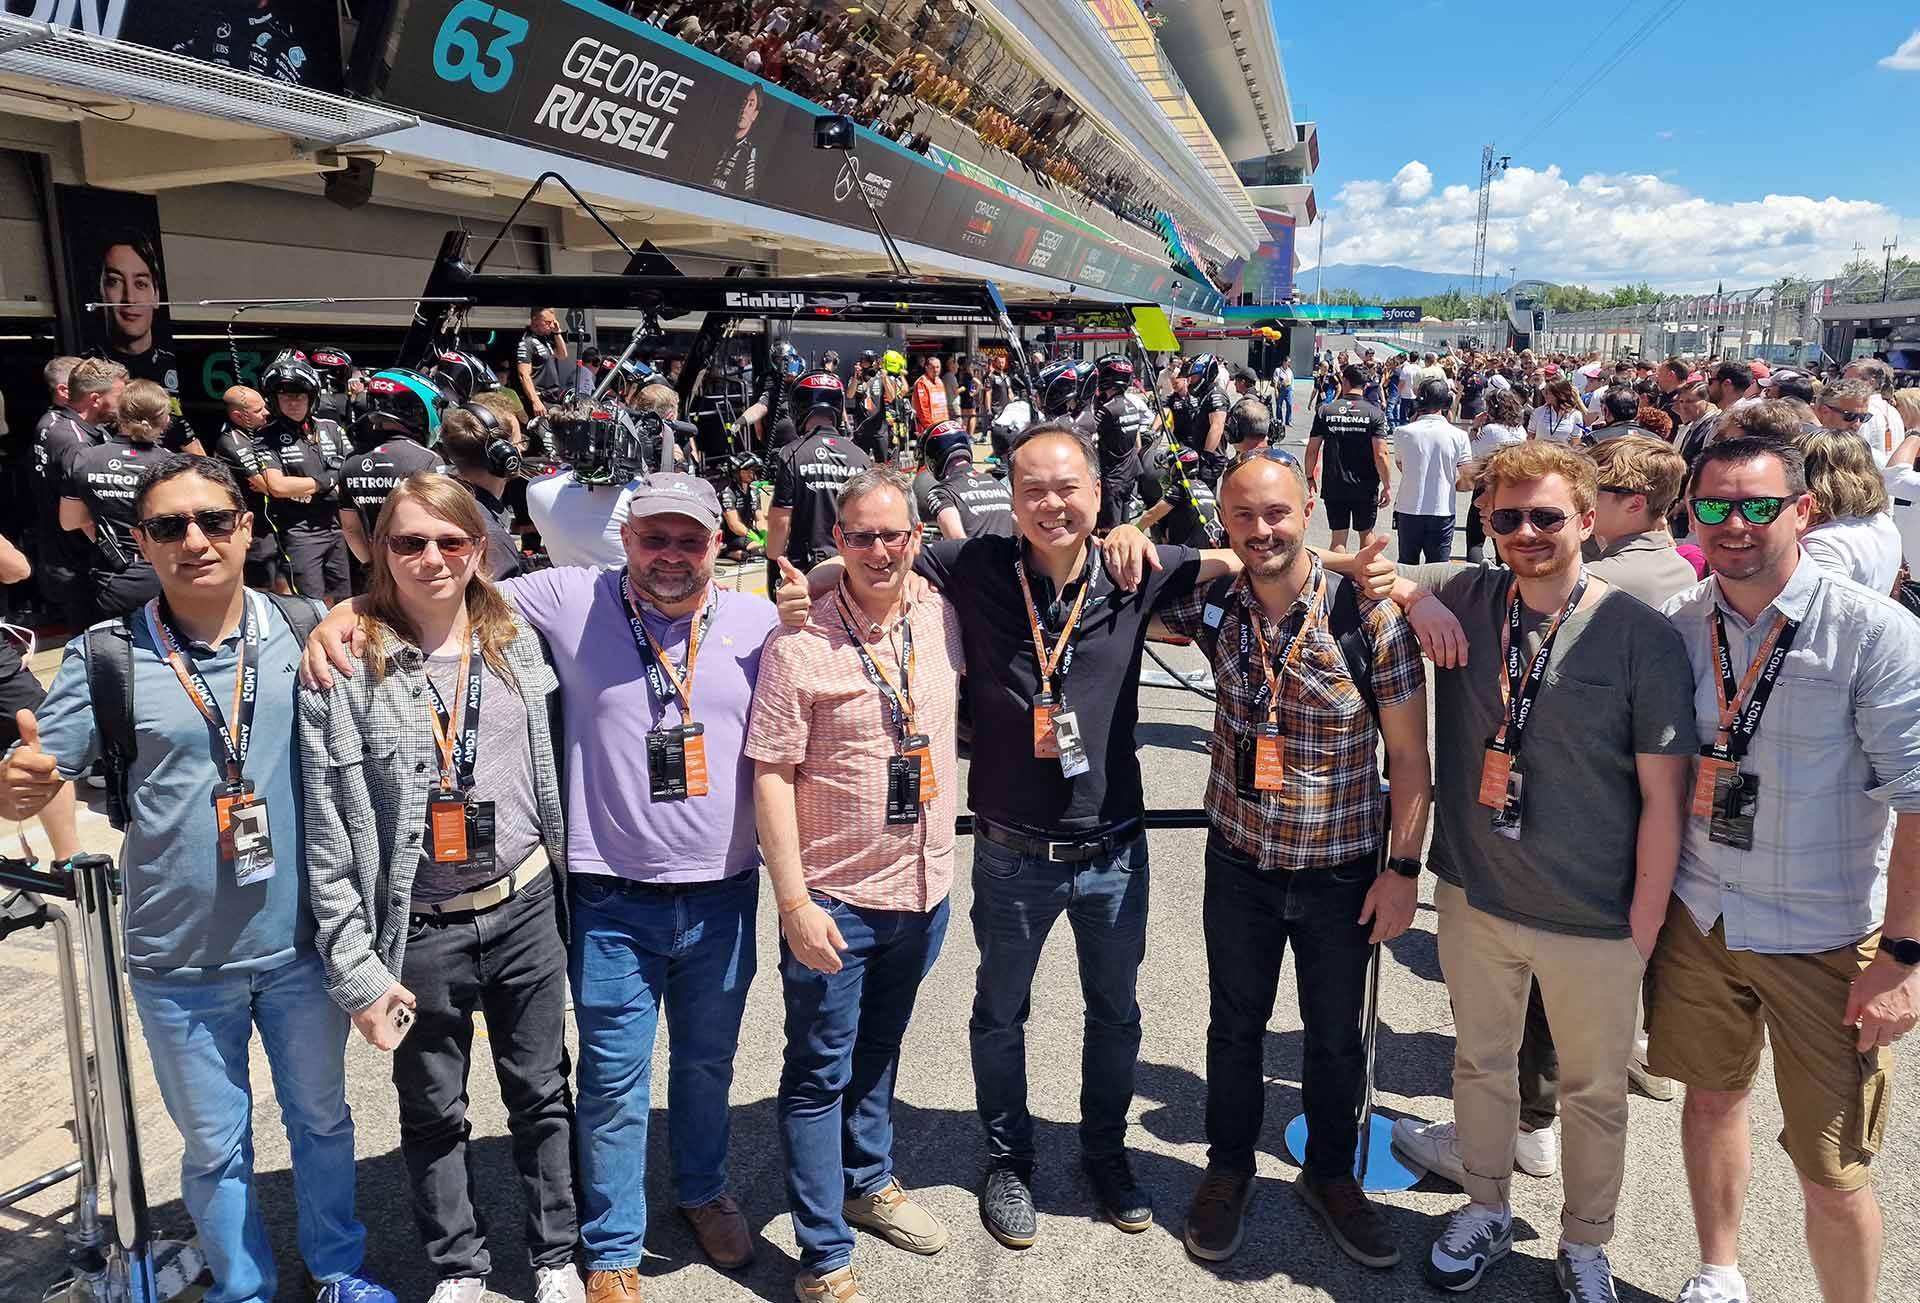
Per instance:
(1293,800)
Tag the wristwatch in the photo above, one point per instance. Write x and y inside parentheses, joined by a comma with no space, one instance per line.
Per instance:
(1410,868)
(1902,950)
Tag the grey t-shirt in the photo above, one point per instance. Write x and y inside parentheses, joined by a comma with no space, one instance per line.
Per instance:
(503,775)
(1618,684)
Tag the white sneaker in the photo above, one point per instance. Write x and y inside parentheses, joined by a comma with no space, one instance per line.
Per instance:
(1537,1153)
(558,1285)
(459,1289)
(1708,1289)
(1434,1146)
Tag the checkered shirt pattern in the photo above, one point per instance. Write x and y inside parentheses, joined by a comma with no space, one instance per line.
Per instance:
(1327,811)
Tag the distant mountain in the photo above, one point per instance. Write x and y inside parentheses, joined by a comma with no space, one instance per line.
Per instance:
(1385,283)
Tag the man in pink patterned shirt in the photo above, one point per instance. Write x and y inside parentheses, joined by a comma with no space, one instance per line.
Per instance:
(856,773)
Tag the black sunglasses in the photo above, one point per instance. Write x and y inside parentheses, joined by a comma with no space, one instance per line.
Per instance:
(1547,520)
(416,545)
(1621,490)
(1851,418)
(172,528)
(1756,511)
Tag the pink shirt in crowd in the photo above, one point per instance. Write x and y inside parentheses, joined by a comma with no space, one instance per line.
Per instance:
(815,708)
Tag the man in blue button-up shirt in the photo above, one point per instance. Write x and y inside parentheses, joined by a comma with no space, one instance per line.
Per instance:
(1798,895)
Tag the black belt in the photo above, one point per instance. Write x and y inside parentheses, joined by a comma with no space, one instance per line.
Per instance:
(1073,850)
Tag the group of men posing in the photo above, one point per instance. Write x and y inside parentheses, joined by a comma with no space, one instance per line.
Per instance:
(1703,797)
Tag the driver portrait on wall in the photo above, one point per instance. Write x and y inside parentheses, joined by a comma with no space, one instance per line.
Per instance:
(736,172)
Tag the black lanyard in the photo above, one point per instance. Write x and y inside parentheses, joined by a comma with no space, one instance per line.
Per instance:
(1519,693)
(1762,673)
(667,683)
(1253,646)
(234,740)
(899,702)
(459,755)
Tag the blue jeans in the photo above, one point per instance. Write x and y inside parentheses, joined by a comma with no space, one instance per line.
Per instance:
(1286,404)
(1423,538)
(1016,899)
(843,1047)
(198,1029)
(634,949)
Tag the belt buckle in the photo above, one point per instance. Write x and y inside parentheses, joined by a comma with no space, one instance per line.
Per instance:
(1054,849)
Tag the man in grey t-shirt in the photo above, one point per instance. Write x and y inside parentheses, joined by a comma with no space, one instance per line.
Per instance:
(1557,833)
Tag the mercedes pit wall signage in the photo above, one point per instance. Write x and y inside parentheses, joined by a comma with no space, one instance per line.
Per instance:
(294,42)
(582,78)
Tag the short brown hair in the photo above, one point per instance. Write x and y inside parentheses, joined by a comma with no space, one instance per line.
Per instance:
(1642,465)
(94,376)
(1522,463)
(1841,477)
(1769,418)
(144,410)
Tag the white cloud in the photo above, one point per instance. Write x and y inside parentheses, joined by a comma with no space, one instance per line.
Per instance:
(1907,57)
(1411,183)
(1603,229)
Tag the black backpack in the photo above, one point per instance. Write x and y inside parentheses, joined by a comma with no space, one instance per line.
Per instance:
(110,683)
(1344,622)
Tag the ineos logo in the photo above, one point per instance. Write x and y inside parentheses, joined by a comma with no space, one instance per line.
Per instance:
(457,52)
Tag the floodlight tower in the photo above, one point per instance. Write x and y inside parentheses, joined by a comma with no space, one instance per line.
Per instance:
(1489,165)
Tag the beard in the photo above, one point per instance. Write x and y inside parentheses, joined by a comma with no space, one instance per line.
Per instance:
(1539,566)
(673,586)
(1273,564)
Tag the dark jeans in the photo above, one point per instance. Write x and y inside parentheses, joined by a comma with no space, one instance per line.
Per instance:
(510,963)
(1016,899)
(1423,538)
(843,1048)
(1476,535)
(1249,917)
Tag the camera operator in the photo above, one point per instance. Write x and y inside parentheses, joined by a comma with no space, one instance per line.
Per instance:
(579,510)
(539,365)
(485,458)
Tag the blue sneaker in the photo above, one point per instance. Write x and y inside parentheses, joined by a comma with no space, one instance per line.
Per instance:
(1475,1238)
(353,1289)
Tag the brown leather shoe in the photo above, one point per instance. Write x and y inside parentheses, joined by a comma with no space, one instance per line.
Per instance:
(1217,1221)
(721,1229)
(621,1285)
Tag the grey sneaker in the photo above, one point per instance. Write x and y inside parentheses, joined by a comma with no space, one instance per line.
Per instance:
(1476,1237)
(1584,1274)
(558,1285)
(459,1289)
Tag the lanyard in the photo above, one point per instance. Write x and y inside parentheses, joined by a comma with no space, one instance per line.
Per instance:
(899,700)
(463,726)
(1739,723)
(1062,657)
(1517,694)
(234,738)
(668,683)
(1273,669)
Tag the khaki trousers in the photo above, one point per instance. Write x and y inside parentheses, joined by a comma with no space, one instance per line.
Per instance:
(1592,991)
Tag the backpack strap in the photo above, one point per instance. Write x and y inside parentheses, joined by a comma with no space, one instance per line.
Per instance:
(1211,615)
(109,654)
(298,612)
(1349,629)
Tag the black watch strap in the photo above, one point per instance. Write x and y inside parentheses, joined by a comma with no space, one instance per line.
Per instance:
(1406,868)
(1902,950)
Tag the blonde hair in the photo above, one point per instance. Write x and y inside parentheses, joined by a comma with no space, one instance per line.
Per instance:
(1522,463)
(1907,403)
(1643,465)
(144,412)
(487,611)
(1841,477)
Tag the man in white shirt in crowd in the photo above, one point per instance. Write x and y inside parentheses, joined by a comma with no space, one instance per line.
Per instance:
(1429,452)
(1885,432)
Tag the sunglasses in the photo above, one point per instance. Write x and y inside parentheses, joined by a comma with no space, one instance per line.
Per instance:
(416,545)
(1851,418)
(1755,511)
(860,540)
(172,528)
(668,543)
(1546,520)
(1620,490)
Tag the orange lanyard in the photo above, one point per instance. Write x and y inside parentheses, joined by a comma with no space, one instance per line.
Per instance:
(1257,622)
(681,681)
(1048,664)
(201,695)
(899,698)
(443,735)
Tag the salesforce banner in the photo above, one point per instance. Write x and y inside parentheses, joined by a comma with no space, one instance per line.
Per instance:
(581,78)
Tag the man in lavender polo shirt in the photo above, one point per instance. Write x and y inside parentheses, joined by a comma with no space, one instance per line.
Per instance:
(661,855)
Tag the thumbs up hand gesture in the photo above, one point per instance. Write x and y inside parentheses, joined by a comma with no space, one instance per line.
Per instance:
(30,777)
(792,597)
(1372,571)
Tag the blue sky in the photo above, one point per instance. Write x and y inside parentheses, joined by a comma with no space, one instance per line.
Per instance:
(1663,168)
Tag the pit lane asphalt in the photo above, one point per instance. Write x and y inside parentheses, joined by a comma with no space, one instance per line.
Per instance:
(938,1147)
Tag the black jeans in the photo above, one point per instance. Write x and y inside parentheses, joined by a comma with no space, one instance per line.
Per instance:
(1249,917)
(510,963)
(1539,1068)
(1476,535)
(1423,538)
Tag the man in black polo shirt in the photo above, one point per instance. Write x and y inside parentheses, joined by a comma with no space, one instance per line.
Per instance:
(807,476)
(1351,433)
(1056,793)
(540,369)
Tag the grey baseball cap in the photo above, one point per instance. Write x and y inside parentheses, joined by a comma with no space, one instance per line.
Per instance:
(669,493)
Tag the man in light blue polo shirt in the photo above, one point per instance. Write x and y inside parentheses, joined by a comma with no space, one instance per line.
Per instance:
(218,934)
